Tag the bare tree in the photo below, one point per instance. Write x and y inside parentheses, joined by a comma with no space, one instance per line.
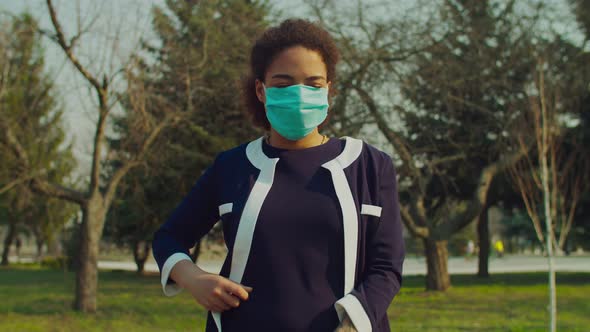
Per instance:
(568,168)
(97,198)
(551,177)
(404,83)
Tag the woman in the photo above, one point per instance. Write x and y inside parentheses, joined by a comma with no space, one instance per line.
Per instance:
(311,222)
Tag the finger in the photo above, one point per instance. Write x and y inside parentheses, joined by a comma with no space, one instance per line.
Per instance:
(236,290)
(219,304)
(230,299)
(215,300)
(247,288)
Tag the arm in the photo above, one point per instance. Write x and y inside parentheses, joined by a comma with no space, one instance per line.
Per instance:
(188,223)
(367,303)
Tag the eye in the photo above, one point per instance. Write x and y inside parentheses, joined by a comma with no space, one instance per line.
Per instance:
(281,85)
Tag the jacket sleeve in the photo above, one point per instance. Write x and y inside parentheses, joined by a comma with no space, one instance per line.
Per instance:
(367,303)
(189,222)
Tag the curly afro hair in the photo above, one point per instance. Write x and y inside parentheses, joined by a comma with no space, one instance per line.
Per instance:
(291,32)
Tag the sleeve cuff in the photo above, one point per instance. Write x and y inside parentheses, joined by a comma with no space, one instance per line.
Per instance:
(171,289)
(353,307)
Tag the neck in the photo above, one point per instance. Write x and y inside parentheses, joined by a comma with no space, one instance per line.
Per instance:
(313,139)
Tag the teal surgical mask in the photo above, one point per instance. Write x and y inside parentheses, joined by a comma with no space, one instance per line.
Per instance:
(296,110)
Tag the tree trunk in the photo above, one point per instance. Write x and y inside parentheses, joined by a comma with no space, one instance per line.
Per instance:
(140,256)
(7,243)
(544,148)
(93,216)
(483,233)
(437,276)
(39,244)
(54,248)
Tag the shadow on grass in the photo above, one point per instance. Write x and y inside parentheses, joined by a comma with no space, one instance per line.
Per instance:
(47,306)
(505,279)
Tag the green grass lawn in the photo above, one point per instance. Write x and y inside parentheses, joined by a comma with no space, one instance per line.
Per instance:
(34,299)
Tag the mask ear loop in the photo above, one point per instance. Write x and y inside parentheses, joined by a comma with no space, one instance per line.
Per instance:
(264,89)
(267,134)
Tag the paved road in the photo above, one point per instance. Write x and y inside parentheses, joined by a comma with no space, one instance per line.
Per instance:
(417,266)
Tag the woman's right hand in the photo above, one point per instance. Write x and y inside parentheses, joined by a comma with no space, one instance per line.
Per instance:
(214,292)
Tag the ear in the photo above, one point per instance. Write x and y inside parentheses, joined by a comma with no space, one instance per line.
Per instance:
(260,91)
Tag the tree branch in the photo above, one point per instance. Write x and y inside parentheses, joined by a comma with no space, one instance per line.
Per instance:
(37,184)
(111,187)
(396,140)
(61,40)
(101,90)
(446,229)
(432,164)
(13,144)
(417,231)
(58,191)
(6,187)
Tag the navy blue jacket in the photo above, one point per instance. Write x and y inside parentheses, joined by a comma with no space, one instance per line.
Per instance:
(316,232)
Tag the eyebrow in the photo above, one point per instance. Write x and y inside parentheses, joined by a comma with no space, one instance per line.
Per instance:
(289,77)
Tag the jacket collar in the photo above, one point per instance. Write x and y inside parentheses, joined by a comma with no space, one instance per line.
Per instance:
(352,150)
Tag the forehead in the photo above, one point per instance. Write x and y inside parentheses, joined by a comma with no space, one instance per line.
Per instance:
(299,62)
